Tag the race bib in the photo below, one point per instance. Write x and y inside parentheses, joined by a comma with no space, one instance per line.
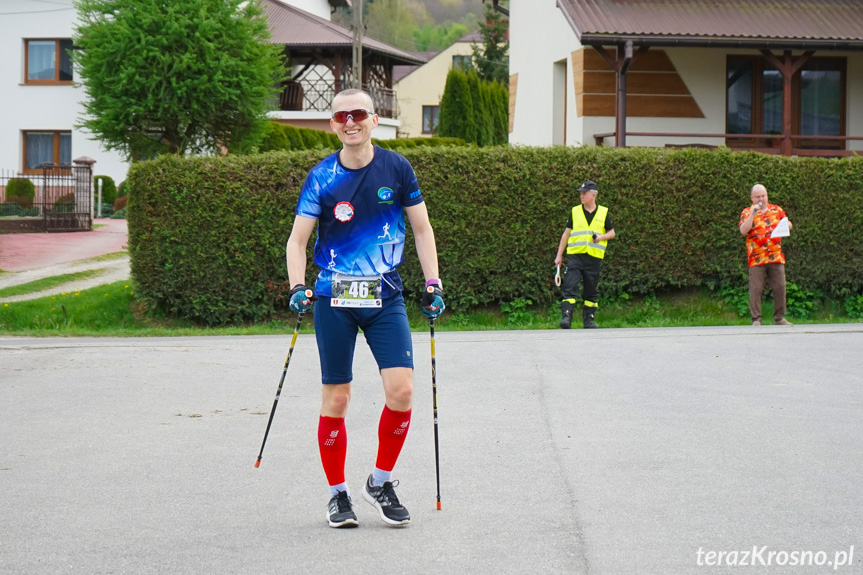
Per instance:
(356,291)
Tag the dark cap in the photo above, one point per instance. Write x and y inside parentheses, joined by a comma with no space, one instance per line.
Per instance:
(588,186)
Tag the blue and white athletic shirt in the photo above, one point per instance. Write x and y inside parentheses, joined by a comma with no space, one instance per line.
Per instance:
(361,225)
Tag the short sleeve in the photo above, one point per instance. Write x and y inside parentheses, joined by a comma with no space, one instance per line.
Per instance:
(410,188)
(309,204)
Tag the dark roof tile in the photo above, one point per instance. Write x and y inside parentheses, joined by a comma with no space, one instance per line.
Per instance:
(825,21)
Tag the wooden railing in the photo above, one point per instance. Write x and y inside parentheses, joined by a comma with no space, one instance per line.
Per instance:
(751,142)
(316,96)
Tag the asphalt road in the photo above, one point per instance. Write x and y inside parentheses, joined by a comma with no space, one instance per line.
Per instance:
(604,452)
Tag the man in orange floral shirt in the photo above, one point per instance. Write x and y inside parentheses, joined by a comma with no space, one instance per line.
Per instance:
(764,254)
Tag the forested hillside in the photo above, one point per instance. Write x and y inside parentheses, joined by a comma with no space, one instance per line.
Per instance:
(417,25)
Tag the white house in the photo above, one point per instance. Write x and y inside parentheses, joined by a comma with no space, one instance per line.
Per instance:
(778,77)
(40,99)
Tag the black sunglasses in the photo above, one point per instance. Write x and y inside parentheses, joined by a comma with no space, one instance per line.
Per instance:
(358,115)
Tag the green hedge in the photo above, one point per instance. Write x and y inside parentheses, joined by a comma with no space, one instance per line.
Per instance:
(207,235)
(283,137)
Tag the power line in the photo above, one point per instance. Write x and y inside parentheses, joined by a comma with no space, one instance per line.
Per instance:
(37,11)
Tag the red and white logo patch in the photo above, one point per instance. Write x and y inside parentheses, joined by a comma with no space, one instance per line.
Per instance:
(343,211)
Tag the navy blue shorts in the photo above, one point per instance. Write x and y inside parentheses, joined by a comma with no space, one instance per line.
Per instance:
(387,332)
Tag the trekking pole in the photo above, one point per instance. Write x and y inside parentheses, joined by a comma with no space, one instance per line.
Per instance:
(279,390)
(434,404)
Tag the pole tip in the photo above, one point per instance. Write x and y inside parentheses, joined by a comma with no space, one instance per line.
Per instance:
(258,463)
(438,505)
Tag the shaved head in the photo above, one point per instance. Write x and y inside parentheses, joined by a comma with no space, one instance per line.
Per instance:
(370,105)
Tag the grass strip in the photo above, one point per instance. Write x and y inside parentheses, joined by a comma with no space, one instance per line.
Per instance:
(48,283)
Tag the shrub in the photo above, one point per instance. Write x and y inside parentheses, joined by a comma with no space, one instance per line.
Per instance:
(801,302)
(65,204)
(10,209)
(20,188)
(121,189)
(274,138)
(295,140)
(854,306)
(119,215)
(21,201)
(120,203)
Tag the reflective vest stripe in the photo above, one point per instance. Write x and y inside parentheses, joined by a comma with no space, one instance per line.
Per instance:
(582,245)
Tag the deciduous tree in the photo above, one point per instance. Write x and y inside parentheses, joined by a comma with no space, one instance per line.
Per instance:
(178,76)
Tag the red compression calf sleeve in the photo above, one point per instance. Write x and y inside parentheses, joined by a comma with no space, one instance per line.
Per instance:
(392,431)
(333,444)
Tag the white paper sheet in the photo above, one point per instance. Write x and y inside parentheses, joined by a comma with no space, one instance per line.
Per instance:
(781,230)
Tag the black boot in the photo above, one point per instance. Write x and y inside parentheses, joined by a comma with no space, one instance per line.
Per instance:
(566,315)
(587,314)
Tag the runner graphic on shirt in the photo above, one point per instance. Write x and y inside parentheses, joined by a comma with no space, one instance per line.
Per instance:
(386,232)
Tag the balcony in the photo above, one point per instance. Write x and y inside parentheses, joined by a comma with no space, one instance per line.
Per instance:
(316,96)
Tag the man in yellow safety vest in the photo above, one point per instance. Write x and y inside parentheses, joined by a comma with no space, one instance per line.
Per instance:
(585,238)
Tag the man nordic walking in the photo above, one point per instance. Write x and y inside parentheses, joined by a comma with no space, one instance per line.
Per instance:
(352,195)
(764,254)
(586,235)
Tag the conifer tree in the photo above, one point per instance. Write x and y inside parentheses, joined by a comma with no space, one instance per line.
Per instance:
(456,118)
(492,57)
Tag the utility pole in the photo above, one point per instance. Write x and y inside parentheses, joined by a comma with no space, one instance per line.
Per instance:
(357,64)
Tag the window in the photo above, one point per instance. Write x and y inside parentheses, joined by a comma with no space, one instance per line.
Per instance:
(43,147)
(756,101)
(430,116)
(48,61)
(462,62)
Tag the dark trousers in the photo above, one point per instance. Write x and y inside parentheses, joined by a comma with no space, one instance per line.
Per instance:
(775,274)
(581,268)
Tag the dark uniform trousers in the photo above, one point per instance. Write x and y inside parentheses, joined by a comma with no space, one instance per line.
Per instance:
(581,267)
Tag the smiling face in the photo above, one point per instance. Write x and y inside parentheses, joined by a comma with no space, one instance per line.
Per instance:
(354,134)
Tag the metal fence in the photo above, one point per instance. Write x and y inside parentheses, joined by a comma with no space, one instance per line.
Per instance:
(59,199)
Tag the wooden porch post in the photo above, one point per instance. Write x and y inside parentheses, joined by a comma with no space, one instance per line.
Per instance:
(620,65)
(338,71)
(787,66)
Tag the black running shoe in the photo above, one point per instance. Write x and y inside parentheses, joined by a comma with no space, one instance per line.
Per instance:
(386,501)
(340,511)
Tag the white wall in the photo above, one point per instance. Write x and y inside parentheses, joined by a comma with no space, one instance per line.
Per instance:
(319,8)
(29,107)
(540,36)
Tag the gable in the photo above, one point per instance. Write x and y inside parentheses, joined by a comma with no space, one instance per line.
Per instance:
(654,89)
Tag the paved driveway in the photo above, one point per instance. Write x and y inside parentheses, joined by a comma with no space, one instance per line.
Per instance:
(610,452)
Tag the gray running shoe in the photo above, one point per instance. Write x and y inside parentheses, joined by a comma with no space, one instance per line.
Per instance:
(385,500)
(340,511)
